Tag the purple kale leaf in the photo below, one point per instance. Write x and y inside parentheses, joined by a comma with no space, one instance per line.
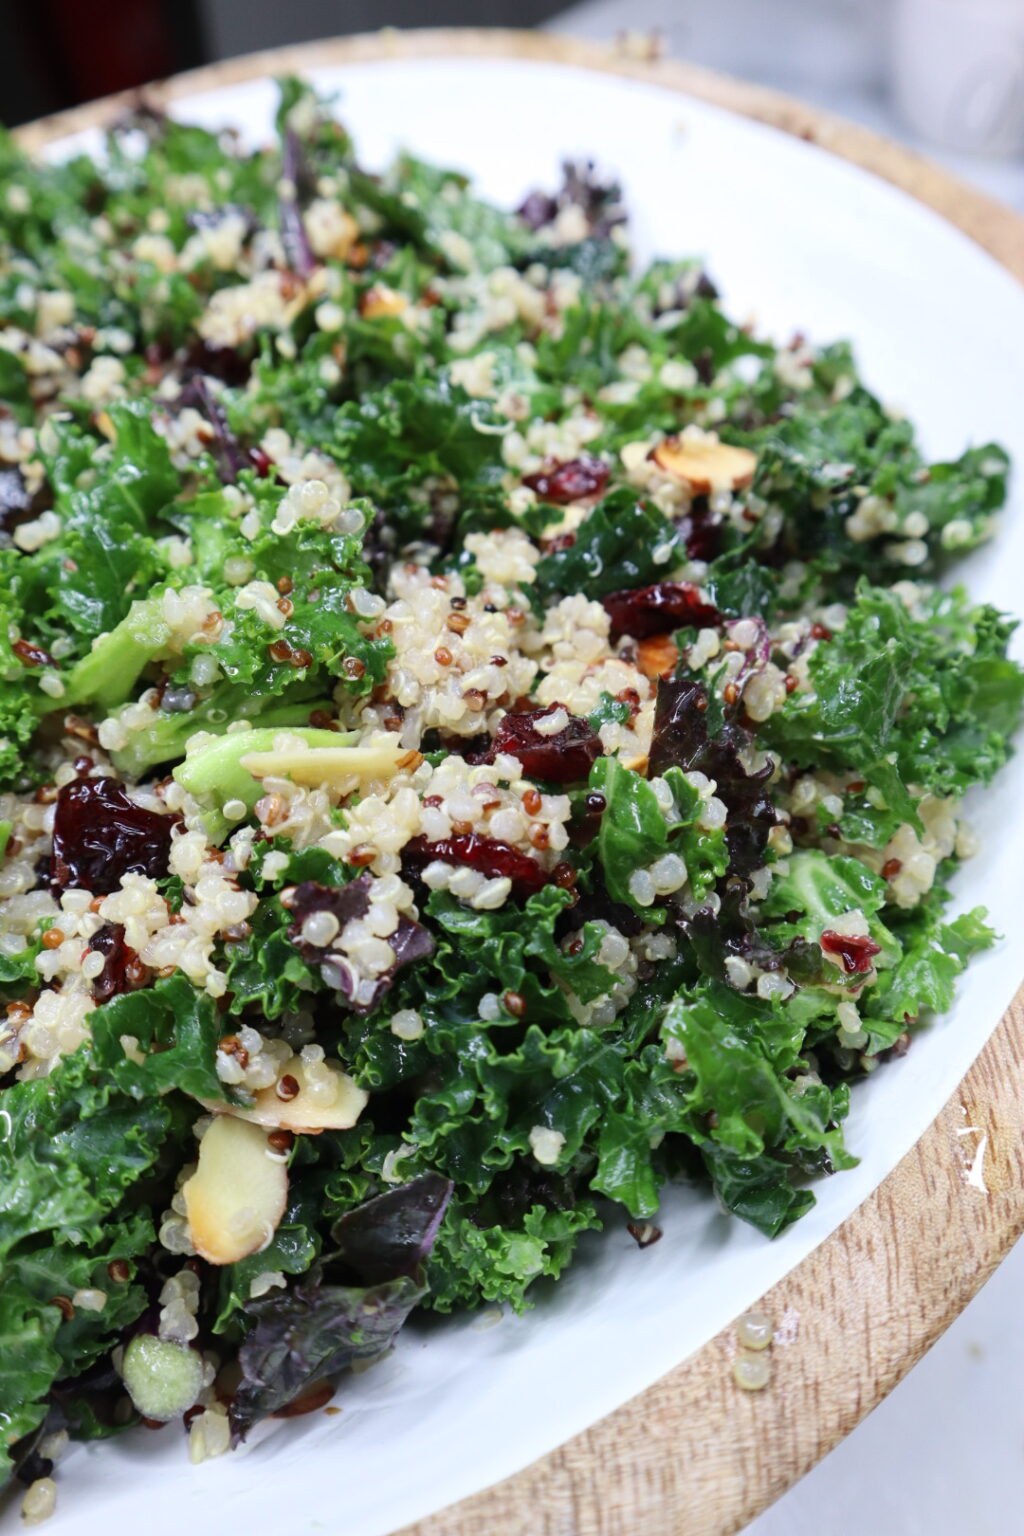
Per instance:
(600,201)
(681,739)
(293,230)
(228,453)
(410,940)
(342,902)
(392,1234)
(715,937)
(307,1337)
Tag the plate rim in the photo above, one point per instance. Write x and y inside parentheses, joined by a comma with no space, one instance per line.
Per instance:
(693,1452)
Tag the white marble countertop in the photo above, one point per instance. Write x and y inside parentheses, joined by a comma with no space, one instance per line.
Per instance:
(944,1454)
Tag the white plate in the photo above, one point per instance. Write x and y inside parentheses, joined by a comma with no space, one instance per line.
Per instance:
(807,242)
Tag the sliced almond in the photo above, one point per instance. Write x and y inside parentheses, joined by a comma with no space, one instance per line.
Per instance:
(326,765)
(106,426)
(380,302)
(338,240)
(238,1193)
(706,466)
(302,1111)
(657,656)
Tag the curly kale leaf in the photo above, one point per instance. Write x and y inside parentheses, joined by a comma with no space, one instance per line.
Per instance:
(497,1253)
(72,1148)
(760,1190)
(922,981)
(274,676)
(174,1026)
(814,891)
(934,696)
(74,1154)
(739,1051)
(818,467)
(510,950)
(635,830)
(621,543)
(393,440)
(29,1364)
(434,208)
(107,547)
(60,1269)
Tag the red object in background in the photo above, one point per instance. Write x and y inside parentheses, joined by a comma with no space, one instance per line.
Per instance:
(126,43)
(81,51)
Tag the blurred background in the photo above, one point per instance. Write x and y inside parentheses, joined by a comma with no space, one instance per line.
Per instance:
(944,1455)
(944,75)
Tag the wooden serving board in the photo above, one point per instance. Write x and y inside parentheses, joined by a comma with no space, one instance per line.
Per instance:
(694,1455)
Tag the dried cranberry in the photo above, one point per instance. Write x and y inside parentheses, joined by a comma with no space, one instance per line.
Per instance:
(486,854)
(558,543)
(262,463)
(563,758)
(655,610)
(855,950)
(99,836)
(224,363)
(570,481)
(701,530)
(122,970)
(704,367)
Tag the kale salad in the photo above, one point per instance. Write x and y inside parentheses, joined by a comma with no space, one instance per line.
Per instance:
(481,736)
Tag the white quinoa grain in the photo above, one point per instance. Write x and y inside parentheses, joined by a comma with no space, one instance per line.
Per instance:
(668,874)
(546,1144)
(407,1024)
(40,1501)
(320,928)
(89,1300)
(752,1372)
(642,888)
(754,1330)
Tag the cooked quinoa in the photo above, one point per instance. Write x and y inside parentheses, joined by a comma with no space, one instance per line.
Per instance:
(480,737)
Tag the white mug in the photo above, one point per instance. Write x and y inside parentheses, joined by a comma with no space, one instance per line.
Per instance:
(958,72)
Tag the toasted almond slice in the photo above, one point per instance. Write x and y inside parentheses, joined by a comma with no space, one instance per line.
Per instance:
(326,765)
(238,1193)
(706,466)
(302,1112)
(338,241)
(657,656)
(637,763)
(381,301)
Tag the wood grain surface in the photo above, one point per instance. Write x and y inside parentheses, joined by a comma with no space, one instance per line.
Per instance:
(694,1455)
